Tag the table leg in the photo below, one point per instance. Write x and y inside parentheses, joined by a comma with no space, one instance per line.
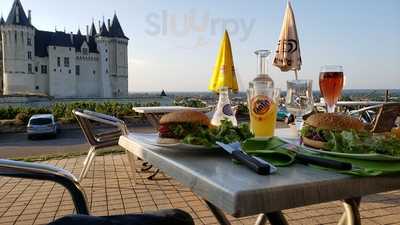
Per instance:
(351,215)
(151,177)
(261,220)
(219,215)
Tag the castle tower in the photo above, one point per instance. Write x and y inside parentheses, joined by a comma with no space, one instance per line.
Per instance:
(113,48)
(118,62)
(18,37)
(103,40)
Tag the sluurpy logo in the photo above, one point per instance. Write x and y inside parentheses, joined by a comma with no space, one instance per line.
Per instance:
(201,25)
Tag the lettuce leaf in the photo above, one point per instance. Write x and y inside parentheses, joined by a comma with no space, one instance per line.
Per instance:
(362,143)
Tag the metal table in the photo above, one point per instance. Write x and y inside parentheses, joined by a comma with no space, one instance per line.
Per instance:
(240,192)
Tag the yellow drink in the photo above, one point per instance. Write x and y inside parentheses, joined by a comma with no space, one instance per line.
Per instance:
(263,113)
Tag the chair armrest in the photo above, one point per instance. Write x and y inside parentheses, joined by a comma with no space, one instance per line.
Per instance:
(353,112)
(46,172)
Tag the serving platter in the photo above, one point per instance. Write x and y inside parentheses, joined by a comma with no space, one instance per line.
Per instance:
(152,139)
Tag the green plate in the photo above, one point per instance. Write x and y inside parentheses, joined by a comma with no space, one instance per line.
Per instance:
(372,157)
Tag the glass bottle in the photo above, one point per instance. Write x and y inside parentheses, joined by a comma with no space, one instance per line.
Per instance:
(224,109)
(262,68)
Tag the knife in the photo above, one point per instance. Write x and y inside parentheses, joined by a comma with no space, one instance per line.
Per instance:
(258,165)
(318,161)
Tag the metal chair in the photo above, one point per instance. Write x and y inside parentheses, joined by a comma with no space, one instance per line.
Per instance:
(100,140)
(379,118)
(46,172)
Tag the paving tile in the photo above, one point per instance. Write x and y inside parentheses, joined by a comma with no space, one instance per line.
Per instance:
(111,191)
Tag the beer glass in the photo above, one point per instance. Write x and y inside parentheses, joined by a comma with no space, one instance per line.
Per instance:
(331,80)
(263,104)
(299,100)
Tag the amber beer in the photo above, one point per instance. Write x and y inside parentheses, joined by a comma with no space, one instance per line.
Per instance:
(331,86)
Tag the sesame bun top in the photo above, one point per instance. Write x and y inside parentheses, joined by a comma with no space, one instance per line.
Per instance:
(334,121)
(185,116)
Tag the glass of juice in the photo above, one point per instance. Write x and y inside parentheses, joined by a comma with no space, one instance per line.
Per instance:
(331,81)
(263,104)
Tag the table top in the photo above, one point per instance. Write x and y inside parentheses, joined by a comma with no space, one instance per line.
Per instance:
(241,192)
(167,109)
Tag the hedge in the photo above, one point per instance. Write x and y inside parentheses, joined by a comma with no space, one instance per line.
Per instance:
(64,110)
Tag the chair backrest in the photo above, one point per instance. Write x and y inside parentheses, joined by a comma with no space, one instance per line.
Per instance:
(84,118)
(386,117)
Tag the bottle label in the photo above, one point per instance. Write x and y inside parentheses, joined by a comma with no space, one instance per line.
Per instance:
(260,106)
(227,110)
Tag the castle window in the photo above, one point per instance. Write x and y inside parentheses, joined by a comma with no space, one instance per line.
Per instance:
(54,47)
(85,51)
(43,69)
(106,59)
(94,71)
(66,61)
(29,55)
(36,69)
(37,87)
(58,61)
(106,50)
(69,71)
(29,41)
(77,70)
(30,68)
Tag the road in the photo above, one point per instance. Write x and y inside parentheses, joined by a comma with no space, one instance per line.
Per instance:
(17,145)
(68,141)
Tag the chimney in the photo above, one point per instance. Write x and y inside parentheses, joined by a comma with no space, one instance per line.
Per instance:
(30,16)
(109,24)
(87,33)
(99,25)
(72,37)
(17,15)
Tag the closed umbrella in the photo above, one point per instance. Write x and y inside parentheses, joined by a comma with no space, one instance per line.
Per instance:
(223,80)
(224,74)
(288,55)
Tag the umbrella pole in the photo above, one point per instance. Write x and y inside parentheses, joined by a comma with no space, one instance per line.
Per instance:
(295,74)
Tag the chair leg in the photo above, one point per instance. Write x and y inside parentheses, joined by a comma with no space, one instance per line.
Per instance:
(86,164)
(132,164)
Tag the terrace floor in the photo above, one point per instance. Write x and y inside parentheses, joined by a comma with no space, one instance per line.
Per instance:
(110,190)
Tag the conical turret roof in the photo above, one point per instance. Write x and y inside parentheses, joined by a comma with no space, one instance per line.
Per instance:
(79,32)
(2,21)
(17,15)
(103,31)
(116,29)
(93,30)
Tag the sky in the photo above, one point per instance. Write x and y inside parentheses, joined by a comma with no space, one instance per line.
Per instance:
(174,44)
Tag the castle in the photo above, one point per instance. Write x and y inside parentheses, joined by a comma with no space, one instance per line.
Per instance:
(60,64)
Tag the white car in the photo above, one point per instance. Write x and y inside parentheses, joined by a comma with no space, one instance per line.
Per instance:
(42,124)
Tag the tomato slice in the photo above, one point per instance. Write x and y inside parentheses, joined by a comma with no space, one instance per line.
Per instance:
(163,129)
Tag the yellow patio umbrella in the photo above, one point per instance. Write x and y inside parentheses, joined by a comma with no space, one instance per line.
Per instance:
(224,74)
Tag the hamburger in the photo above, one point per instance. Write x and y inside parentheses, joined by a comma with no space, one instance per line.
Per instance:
(176,126)
(318,127)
